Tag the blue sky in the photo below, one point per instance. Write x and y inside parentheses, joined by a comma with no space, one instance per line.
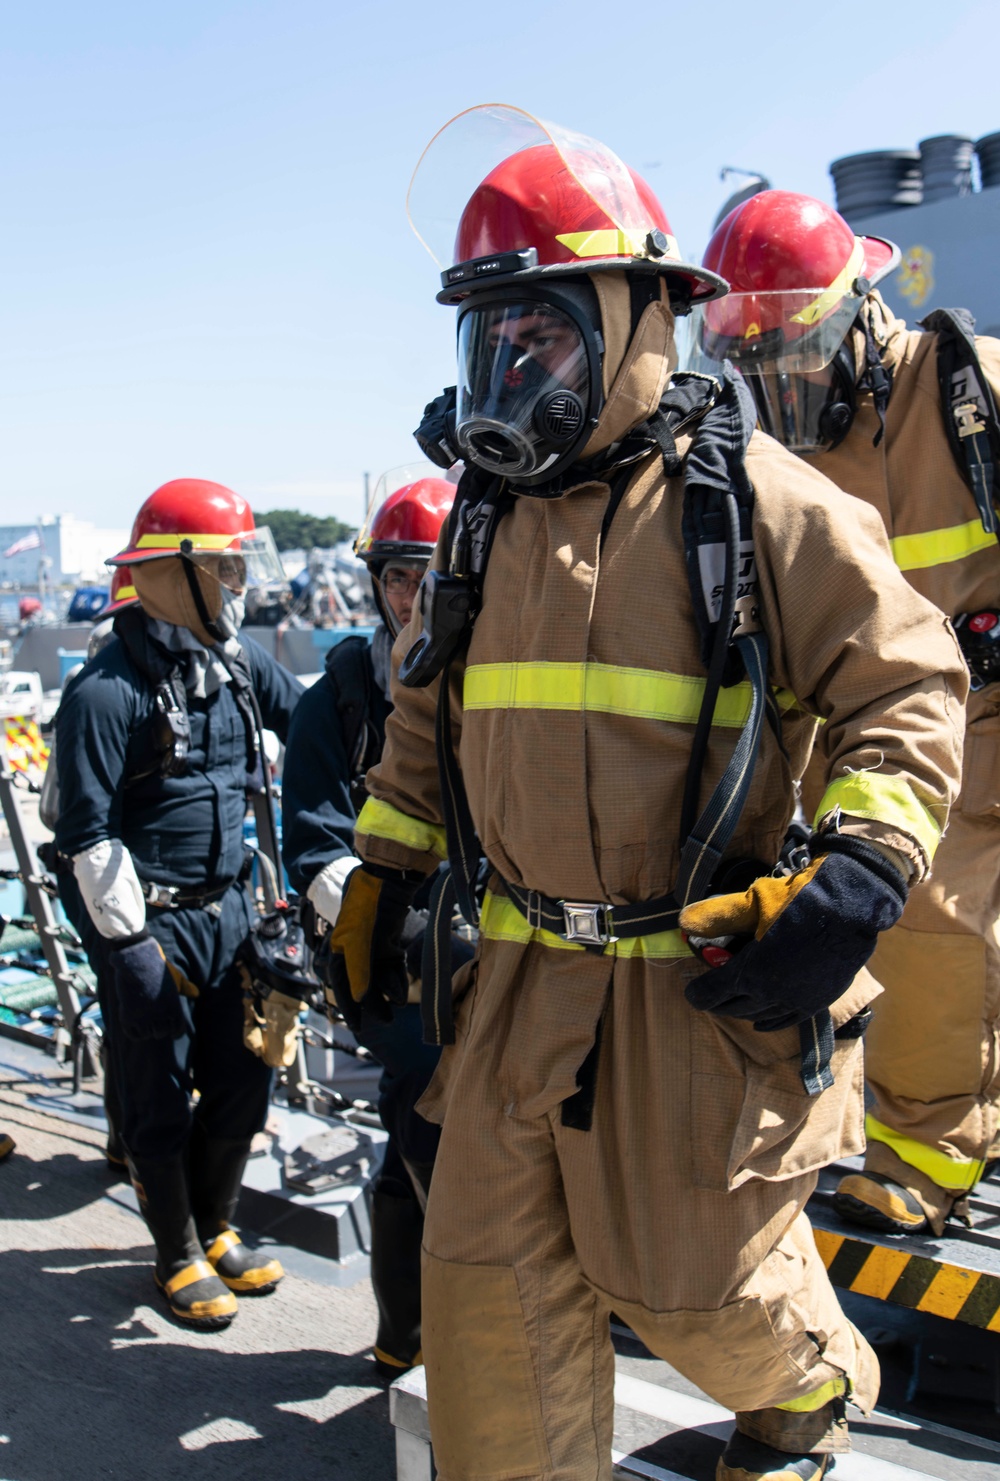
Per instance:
(205,264)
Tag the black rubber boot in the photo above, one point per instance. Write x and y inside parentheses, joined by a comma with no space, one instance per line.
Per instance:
(750,1460)
(397,1230)
(192,1289)
(217,1166)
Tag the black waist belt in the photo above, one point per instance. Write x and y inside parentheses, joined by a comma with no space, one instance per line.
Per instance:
(594,925)
(175,897)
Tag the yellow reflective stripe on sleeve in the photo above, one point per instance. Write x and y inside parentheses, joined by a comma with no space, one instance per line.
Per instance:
(948,1172)
(809,1403)
(938,547)
(200,542)
(382,820)
(886,799)
(500,920)
(603,687)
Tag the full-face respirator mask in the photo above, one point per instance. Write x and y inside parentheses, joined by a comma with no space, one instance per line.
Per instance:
(529,379)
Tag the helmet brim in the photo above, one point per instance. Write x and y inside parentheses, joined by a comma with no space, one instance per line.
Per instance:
(694,284)
(137,555)
(881,258)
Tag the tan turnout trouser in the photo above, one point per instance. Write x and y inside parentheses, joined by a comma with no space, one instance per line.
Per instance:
(680,1210)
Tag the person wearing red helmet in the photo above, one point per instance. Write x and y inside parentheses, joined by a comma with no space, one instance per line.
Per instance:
(337,733)
(845,384)
(624,1129)
(157,745)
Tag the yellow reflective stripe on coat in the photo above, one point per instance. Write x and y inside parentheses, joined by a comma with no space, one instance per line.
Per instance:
(886,799)
(500,920)
(938,547)
(947,1172)
(382,820)
(809,1403)
(604,687)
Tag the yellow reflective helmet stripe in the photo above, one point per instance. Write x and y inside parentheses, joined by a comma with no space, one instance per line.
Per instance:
(610,242)
(948,1172)
(382,820)
(599,686)
(886,799)
(938,547)
(125,594)
(809,1403)
(500,920)
(199,542)
(831,296)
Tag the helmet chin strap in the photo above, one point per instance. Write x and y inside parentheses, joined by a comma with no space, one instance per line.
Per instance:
(210,624)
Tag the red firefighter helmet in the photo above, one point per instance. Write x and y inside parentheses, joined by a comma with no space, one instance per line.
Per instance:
(122,593)
(533,202)
(798,276)
(202,516)
(406,524)
(531,199)
(402,528)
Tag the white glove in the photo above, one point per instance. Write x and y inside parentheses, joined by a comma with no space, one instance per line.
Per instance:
(327,889)
(110,888)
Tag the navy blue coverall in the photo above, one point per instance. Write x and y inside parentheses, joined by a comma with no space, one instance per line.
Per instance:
(185,831)
(318,818)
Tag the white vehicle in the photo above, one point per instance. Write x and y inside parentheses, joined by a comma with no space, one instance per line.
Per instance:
(21,694)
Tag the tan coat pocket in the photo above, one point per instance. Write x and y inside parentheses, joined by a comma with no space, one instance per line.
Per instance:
(926,1039)
(751,1116)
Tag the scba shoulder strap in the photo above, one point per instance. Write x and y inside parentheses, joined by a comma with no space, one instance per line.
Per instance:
(348,671)
(170,730)
(718,537)
(968,408)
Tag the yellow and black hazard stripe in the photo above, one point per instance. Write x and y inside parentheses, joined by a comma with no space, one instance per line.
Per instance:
(915,1281)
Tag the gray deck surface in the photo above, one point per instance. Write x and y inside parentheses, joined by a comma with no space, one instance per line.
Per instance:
(97,1381)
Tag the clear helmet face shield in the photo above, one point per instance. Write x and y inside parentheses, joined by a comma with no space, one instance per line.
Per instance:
(529,381)
(792,348)
(464,152)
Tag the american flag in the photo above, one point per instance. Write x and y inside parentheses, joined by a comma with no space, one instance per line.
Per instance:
(31,541)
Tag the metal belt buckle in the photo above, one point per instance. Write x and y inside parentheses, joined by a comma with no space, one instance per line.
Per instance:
(163,895)
(588,924)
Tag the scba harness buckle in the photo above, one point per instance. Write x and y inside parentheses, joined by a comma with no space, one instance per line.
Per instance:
(591,925)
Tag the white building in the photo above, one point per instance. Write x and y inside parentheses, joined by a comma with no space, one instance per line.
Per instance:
(73,551)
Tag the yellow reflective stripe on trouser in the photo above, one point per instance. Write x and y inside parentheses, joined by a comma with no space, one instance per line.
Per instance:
(500,920)
(948,1172)
(598,686)
(887,799)
(938,547)
(382,820)
(809,1403)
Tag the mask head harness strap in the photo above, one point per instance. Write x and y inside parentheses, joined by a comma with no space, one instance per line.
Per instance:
(876,377)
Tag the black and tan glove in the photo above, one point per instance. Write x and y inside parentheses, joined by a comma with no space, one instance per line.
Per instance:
(363,960)
(794,943)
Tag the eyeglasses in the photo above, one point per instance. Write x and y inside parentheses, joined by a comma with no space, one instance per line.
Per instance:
(400,582)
